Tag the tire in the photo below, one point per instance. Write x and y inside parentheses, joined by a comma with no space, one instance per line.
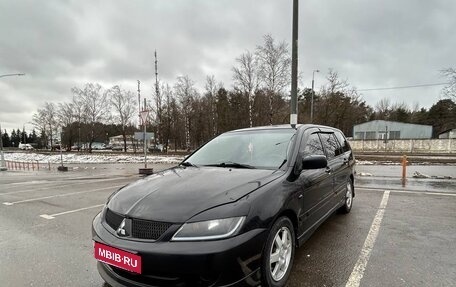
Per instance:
(277,256)
(348,201)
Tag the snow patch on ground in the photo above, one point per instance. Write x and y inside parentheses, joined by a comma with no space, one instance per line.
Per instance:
(89,158)
(366,162)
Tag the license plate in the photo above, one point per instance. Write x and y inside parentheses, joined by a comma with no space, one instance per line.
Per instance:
(117,257)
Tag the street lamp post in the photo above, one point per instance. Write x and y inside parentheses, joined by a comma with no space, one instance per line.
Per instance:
(2,163)
(312,97)
(10,75)
(143,115)
(2,159)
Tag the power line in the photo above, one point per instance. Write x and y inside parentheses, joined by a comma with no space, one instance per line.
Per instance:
(404,87)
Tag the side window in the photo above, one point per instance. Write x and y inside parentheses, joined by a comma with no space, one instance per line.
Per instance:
(330,144)
(344,146)
(313,146)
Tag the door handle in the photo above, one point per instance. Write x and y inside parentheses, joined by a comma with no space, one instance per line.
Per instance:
(345,161)
(328,170)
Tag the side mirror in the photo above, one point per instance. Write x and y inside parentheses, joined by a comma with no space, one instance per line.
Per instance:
(314,162)
(310,162)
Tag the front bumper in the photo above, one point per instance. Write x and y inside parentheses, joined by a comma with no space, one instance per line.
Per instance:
(234,261)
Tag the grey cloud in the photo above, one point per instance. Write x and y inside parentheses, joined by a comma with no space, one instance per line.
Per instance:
(61,44)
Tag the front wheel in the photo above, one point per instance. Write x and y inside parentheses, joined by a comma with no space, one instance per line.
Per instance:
(278,254)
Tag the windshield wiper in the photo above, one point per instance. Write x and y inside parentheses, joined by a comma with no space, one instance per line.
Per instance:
(231,164)
(283,162)
(187,163)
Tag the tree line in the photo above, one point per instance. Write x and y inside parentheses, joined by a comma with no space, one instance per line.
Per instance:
(183,117)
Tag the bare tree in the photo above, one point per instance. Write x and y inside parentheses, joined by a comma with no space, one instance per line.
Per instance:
(383,109)
(96,107)
(124,105)
(245,76)
(45,120)
(79,115)
(274,63)
(450,89)
(51,120)
(335,84)
(65,117)
(168,121)
(65,114)
(39,121)
(185,91)
(211,91)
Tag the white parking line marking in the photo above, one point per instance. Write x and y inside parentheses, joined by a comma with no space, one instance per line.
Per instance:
(410,191)
(60,195)
(52,216)
(27,182)
(424,192)
(360,266)
(63,185)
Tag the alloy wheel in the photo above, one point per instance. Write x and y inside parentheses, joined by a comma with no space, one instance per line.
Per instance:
(349,195)
(280,255)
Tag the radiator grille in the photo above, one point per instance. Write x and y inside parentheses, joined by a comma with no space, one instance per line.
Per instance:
(142,229)
(113,219)
(145,229)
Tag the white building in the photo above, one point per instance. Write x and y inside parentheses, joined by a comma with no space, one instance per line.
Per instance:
(379,129)
(448,134)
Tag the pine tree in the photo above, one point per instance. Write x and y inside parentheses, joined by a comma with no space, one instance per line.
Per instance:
(14,139)
(6,139)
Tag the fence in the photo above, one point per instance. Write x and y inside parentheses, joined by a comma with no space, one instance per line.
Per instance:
(410,146)
(34,165)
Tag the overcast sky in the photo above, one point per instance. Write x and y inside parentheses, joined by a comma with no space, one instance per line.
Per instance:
(62,44)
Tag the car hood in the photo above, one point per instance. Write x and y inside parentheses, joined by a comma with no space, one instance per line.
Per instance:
(177,194)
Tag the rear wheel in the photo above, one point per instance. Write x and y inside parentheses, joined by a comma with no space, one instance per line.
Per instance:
(348,198)
(278,254)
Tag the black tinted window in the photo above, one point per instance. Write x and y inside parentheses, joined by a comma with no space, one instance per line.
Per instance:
(330,144)
(313,146)
(344,146)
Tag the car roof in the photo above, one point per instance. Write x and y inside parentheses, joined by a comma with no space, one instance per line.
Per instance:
(285,126)
(272,127)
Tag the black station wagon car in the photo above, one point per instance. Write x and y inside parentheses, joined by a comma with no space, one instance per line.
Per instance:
(231,214)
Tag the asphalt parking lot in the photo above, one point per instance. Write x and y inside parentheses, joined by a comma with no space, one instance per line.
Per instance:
(393,236)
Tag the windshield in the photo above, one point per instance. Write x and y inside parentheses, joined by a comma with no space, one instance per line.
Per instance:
(265,149)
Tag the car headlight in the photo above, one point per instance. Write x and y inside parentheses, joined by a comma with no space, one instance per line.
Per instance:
(209,230)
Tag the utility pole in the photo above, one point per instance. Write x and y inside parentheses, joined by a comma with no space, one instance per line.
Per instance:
(144,120)
(294,67)
(135,142)
(157,100)
(79,135)
(144,113)
(386,138)
(139,103)
(61,167)
(312,99)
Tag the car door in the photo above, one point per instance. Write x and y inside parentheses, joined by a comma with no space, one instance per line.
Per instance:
(345,159)
(315,185)
(336,164)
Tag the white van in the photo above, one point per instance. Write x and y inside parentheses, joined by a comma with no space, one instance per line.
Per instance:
(25,146)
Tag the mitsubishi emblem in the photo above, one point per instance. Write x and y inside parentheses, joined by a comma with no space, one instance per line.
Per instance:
(121,231)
